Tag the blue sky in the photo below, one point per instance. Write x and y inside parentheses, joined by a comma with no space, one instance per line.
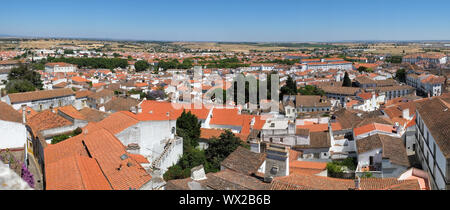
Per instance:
(230,20)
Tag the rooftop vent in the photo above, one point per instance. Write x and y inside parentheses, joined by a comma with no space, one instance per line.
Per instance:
(124,156)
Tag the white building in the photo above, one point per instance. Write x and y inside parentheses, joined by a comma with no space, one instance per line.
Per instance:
(437,58)
(382,155)
(150,135)
(427,84)
(13,131)
(326,64)
(41,100)
(59,67)
(432,146)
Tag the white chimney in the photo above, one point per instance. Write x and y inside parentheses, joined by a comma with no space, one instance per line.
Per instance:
(198,173)
(24,114)
(255,146)
(405,114)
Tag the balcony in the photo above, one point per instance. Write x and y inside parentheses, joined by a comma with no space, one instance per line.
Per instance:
(376,167)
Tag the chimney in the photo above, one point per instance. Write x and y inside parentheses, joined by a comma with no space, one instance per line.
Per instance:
(277,162)
(255,146)
(405,114)
(198,173)
(24,114)
(134,109)
(358,183)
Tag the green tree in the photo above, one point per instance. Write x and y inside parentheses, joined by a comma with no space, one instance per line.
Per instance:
(347,82)
(220,148)
(362,69)
(176,172)
(400,75)
(68,51)
(289,89)
(311,90)
(188,127)
(25,73)
(19,86)
(141,65)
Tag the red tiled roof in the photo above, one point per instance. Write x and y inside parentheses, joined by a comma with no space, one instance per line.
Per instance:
(72,112)
(207,133)
(97,151)
(373,127)
(116,122)
(320,127)
(47,120)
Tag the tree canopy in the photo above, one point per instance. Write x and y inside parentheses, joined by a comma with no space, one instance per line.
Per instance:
(96,63)
(347,81)
(400,75)
(141,65)
(289,89)
(188,127)
(23,79)
(220,148)
(311,90)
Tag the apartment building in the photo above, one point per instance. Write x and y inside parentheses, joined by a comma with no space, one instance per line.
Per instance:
(432,135)
(437,58)
(427,84)
(59,67)
(326,64)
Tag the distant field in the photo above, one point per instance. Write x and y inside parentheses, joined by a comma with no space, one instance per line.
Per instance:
(379,48)
(246,47)
(396,50)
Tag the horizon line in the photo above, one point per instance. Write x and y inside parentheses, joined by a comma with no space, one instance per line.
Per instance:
(7,36)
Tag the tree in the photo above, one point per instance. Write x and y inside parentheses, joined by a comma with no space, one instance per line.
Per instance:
(220,148)
(289,89)
(347,82)
(311,90)
(400,75)
(176,172)
(141,65)
(188,127)
(156,94)
(25,73)
(19,86)
(362,69)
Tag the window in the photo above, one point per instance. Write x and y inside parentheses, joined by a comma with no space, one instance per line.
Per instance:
(281,139)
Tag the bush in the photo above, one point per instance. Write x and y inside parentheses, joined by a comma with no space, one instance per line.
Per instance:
(367,175)
(332,167)
(60,138)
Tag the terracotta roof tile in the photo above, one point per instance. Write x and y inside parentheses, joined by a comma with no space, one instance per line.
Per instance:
(251,164)
(8,113)
(47,120)
(40,95)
